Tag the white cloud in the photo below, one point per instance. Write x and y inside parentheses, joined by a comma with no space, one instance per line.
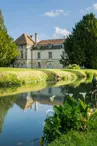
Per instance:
(60,32)
(88,9)
(95,6)
(55,13)
(82,11)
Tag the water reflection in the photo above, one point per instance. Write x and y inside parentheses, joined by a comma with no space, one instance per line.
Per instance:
(84,92)
(5,104)
(26,100)
(22,116)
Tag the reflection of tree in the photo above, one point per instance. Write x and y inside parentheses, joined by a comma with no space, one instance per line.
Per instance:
(91,98)
(81,92)
(70,89)
(45,99)
(5,104)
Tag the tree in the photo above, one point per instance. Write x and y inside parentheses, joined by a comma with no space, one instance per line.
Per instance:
(8,48)
(2,26)
(81,44)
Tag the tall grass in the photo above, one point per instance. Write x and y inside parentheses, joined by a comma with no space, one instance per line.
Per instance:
(16,77)
(74,138)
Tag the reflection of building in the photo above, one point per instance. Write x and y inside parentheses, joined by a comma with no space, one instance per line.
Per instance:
(43,97)
(26,100)
(43,54)
(36,105)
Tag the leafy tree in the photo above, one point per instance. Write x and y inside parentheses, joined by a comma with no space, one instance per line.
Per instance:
(81,44)
(8,48)
(2,26)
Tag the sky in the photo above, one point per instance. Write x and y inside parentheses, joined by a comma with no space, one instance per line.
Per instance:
(49,18)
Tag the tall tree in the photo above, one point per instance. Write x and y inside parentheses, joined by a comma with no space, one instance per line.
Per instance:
(8,48)
(81,44)
(2,26)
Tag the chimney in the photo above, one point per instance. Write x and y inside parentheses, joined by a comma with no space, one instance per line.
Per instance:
(31,36)
(36,37)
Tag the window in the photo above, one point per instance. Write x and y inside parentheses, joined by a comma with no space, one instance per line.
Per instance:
(63,53)
(38,55)
(50,55)
(21,54)
(26,54)
(39,65)
(21,46)
(50,90)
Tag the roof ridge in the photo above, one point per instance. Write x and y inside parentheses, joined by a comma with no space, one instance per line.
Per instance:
(30,38)
(24,39)
(53,39)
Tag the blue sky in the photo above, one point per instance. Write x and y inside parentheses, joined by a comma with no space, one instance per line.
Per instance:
(49,18)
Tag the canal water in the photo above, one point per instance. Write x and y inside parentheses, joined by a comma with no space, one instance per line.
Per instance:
(22,116)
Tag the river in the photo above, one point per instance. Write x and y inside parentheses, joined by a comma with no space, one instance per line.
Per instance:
(22,115)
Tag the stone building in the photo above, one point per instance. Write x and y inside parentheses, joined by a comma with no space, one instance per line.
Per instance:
(25,45)
(42,54)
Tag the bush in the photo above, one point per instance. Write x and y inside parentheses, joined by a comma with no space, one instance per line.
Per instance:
(73,66)
(73,115)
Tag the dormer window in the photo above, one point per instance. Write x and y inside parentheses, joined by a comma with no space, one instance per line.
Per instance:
(21,54)
(21,46)
(50,46)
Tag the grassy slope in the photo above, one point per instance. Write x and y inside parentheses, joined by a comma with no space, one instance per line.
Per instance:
(13,76)
(74,138)
(20,79)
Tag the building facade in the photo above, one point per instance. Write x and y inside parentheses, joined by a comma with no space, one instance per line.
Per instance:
(43,54)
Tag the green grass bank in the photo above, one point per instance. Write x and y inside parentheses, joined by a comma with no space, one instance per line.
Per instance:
(17,77)
(74,138)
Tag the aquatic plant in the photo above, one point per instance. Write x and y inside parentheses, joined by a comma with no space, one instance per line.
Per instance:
(73,115)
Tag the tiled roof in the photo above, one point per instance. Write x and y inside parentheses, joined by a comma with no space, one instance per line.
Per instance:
(24,39)
(53,41)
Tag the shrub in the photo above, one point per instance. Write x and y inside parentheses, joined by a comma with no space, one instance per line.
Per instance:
(73,66)
(73,115)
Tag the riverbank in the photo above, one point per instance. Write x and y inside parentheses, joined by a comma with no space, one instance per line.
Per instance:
(10,77)
(74,138)
(16,77)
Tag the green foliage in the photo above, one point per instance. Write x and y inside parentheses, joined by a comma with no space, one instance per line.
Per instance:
(73,115)
(73,66)
(8,49)
(81,44)
(2,26)
(74,138)
(92,123)
(67,117)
